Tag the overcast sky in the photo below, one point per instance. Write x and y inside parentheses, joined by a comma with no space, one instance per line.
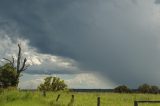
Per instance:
(89,43)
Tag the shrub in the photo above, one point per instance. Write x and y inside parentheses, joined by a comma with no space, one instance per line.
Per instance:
(8,76)
(145,88)
(154,89)
(122,89)
(52,84)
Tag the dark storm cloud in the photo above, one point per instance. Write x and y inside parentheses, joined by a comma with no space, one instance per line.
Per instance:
(51,72)
(117,39)
(157,1)
(27,14)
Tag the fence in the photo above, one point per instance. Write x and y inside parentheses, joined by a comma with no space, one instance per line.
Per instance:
(136,102)
(99,101)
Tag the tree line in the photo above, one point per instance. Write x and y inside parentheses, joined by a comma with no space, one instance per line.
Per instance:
(144,88)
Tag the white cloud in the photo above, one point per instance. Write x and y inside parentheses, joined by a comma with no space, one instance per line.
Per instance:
(83,80)
(88,80)
(30,84)
(40,63)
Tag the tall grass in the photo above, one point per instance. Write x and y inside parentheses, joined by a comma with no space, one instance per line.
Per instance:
(35,98)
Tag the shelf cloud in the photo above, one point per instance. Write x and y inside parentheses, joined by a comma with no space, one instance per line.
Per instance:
(118,40)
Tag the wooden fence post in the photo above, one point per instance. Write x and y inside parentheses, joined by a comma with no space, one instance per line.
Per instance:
(58,97)
(98,101)
(44,93)
(135,103)
(71,101)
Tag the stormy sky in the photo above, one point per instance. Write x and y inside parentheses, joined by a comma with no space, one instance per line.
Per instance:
(106,42)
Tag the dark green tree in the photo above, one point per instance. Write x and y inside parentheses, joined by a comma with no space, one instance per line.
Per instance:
(144,88)
(122,89)
(52,84)
(8,76)
(19,66)
(154,89)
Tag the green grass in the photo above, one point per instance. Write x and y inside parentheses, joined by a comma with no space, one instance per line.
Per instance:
(29,98)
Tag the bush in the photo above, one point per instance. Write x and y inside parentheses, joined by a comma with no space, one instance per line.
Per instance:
(154,89)
(52,84)
(122,89)
(145,88)
(8,76)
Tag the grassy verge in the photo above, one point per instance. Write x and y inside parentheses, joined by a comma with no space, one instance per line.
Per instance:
(35,98)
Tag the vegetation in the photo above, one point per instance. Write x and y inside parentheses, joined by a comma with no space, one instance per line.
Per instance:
(122,89)
(8,76)
(52,84)
(14,71)
(145,88)
(154,89)
(35,98)
(9,96)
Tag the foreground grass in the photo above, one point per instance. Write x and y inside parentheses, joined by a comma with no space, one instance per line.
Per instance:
(29,98)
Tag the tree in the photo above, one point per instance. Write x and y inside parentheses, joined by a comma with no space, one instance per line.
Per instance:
(20,64)
(144,88)
(154,89)
(8,76)
(52,84)
(122,89)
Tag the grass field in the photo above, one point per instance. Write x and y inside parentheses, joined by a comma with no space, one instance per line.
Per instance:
(30,98)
